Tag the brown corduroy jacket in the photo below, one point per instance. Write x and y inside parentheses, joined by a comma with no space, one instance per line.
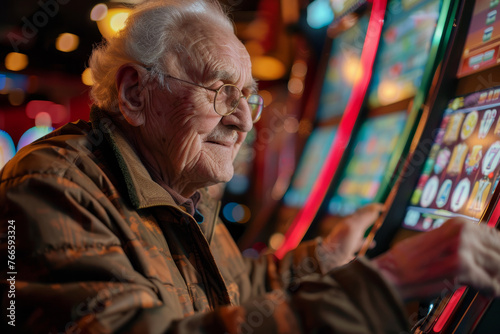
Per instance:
(99,247)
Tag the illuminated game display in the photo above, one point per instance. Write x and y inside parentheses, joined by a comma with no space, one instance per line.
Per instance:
(7,148)
(33,134)
(483,40)
(404,51)
(343,70)
(313,157)
(454,169)
(461,172)
(367,165)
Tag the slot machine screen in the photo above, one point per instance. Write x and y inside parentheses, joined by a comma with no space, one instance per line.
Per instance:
(7,148)
(461,171)
(483,39)
(312,159)
(404,51)
(366,167)
(342,70)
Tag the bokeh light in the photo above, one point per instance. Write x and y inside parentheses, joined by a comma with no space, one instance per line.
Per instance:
(276,240)
(33,134)
(114,21)
(267,96)
(117,21)
(295,86)
(87,77)
(291,125)
(15,61)
(319,14)
(57,112)
(43,119)
(352,70)
(267,68)
(99,12)
(250,253)
(67,42)
(299,69)
(236,213)
(388,92)
(7,148)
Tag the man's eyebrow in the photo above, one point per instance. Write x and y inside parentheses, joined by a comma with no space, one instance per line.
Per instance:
(221,75)
(227,76)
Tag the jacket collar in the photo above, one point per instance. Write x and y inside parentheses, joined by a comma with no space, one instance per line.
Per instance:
(142,190)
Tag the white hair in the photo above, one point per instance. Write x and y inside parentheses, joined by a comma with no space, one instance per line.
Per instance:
(153,28)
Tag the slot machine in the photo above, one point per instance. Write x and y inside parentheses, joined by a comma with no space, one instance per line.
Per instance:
(7,148)
(455,167)
(339,75)
(405,63)
(413,39)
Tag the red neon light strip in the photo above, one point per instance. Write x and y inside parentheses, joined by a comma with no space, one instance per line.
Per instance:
(448,310)
(303,220)
(495,216)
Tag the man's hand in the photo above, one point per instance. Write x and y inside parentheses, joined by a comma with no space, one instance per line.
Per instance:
(346,237)
(457,253)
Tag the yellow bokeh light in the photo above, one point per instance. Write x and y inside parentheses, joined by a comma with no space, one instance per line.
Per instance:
(276,240)
(352,70)
(87,77)
(117,21)
(267,68)
(99,12)
(16,61)
(388,92)
(114,21)
(67,42)
(267,96)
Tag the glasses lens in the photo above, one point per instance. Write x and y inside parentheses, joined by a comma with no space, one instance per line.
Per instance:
(227,99)
(256,103)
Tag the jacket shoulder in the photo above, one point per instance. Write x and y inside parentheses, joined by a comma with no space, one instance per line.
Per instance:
(55,153)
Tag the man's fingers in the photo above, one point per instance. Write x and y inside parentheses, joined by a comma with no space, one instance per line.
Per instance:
(481,280)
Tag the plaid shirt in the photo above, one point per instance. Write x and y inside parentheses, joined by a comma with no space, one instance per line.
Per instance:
(100,247)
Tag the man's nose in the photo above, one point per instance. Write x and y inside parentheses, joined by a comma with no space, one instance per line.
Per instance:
(241,118)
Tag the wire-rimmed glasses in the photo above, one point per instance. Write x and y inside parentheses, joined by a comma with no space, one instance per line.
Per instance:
(227,98)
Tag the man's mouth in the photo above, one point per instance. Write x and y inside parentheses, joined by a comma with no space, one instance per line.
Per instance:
(227,141)
(222,143)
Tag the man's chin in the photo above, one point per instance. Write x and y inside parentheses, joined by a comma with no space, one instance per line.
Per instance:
(221,176)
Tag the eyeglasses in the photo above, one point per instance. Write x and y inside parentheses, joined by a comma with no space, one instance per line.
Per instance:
(227,99)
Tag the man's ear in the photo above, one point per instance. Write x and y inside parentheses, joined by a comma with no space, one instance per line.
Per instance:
(131,93)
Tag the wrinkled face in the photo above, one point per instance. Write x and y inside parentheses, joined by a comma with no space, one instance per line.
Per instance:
(191,143)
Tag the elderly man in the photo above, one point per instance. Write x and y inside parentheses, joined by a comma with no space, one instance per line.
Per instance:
(113,231)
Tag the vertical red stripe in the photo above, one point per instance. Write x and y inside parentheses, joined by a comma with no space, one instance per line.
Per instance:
(304,218)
